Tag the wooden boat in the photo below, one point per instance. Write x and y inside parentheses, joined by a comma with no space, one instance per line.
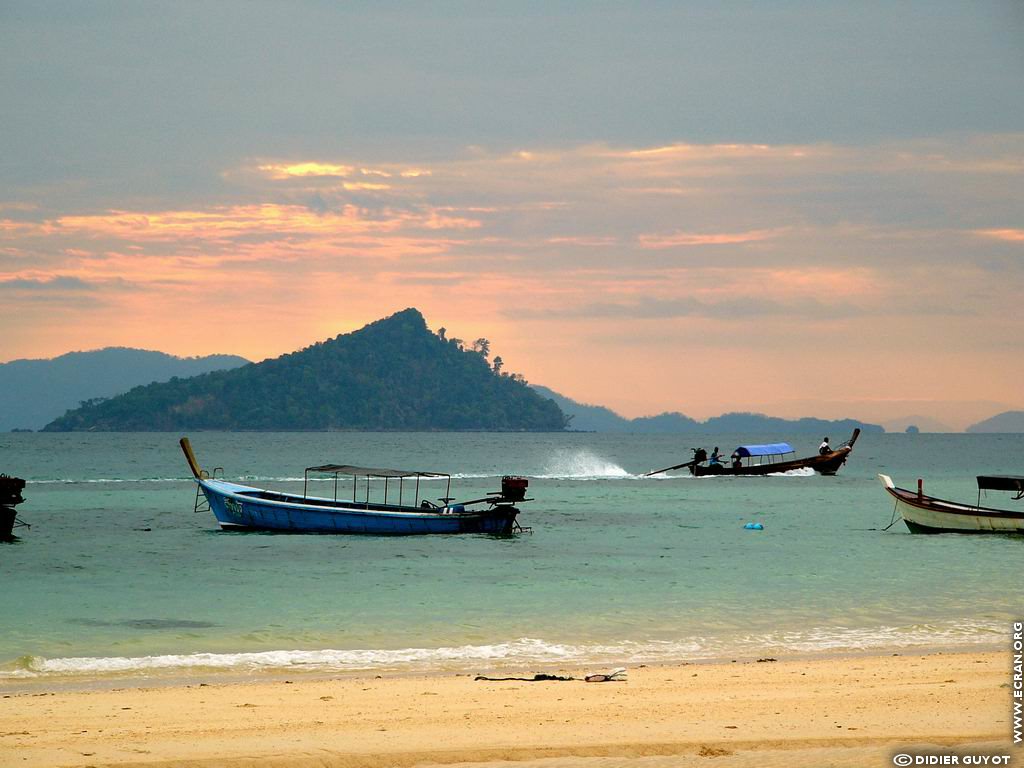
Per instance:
(766,459)
(243,508)
(10,497)
(927,514)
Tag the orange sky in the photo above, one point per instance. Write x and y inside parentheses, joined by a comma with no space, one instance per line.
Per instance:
(873,276)
(702,278)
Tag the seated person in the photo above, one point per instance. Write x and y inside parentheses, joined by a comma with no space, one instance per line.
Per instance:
(737,462)
(824,447)
(716,457)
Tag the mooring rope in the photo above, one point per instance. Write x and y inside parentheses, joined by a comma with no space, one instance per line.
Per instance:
(893,521)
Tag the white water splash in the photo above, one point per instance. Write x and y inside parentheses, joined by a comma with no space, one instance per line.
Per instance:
(582,465)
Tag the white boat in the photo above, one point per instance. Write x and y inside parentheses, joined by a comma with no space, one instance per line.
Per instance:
(927,514)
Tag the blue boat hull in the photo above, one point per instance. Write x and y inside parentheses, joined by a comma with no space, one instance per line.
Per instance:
(242,508)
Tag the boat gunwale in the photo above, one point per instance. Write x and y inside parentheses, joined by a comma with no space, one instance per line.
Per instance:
(935,504)
(333,506)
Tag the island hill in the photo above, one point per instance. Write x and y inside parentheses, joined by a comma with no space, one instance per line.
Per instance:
(394,374)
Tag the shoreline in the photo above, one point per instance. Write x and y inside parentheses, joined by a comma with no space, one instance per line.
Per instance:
(190,675)
(850,710)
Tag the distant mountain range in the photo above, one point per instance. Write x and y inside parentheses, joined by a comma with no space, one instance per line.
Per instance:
(596,418)
(35,392)
(393,374)
(1008,421)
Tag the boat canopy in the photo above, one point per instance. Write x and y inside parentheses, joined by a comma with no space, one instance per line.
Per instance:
(1014,483)
(768,449)
(349,469)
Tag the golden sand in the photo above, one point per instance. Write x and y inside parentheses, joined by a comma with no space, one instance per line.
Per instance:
(854,711)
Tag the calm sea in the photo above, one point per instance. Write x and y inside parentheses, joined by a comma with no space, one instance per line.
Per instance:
(118,575)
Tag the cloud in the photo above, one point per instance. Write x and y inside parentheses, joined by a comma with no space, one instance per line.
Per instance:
(222,223)
(729,309)
(676,239)
(56,283)
(59,292)
(287,171)
(735,257)
(1006,235)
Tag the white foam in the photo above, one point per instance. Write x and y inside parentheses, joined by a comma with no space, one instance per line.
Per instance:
(532,652)
(676,474)
(524,649)
(801,472)
(825,639)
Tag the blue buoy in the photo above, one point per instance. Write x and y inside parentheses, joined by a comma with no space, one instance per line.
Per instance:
(753,527)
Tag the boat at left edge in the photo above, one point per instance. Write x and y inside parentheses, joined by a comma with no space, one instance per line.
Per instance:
(245,508)
(10,497)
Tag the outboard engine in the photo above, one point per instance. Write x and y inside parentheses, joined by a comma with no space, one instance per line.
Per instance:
(513,488)
(700,455)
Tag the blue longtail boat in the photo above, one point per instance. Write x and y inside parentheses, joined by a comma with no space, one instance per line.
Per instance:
(243,508)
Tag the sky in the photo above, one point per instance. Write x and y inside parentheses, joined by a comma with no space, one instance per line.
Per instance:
(797,208)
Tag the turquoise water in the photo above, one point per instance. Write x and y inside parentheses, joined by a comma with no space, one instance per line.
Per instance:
(118,575)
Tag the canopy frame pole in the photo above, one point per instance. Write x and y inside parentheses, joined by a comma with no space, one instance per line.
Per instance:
(367,492)
(335,487)
(400,490)
(448,491)
(416,501)
(385,489)
(354,478)
(305,482)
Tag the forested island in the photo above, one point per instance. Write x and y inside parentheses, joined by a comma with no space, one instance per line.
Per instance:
(394,374)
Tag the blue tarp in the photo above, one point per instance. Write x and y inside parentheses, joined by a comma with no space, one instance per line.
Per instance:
(769,449)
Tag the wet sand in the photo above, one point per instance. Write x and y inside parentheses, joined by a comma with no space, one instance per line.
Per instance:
(855,711)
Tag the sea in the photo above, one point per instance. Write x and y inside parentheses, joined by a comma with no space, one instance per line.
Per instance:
(118,577)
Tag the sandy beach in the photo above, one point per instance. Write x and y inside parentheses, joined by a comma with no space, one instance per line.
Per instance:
(854,711)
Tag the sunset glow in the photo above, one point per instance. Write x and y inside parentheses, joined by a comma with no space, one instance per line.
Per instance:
(679,249)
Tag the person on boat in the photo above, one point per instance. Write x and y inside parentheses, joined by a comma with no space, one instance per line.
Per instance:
(737,461)
(716,457)
(824,447)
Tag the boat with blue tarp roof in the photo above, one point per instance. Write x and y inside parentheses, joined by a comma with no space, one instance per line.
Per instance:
(765,459)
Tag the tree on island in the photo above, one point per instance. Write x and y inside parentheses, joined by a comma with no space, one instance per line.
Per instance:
(482,347)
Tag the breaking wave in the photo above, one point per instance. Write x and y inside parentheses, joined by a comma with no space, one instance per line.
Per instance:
(532,652)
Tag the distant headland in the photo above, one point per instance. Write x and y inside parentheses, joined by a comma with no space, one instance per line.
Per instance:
(35,392)
(1008,421)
